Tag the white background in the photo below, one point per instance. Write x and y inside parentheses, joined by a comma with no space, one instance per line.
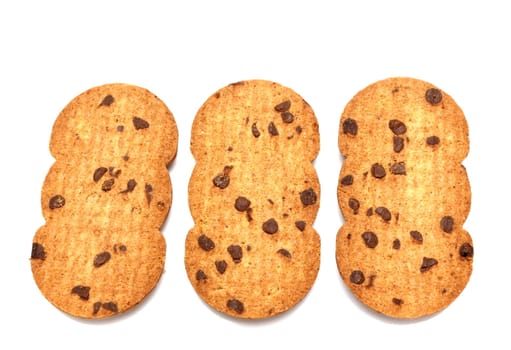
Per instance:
(326,51)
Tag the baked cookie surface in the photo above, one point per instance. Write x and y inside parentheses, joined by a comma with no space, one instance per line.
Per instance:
(253,195)
(405,196)
(104,200)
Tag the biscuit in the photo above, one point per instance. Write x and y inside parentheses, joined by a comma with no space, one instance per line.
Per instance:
(253,196)
(104,199)
(405,196)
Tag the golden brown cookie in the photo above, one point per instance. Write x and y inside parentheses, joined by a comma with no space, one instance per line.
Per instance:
(405,197)
(253,195)
(104,199)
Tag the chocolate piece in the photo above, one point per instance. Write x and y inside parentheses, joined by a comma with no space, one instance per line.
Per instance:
(427,264)
(283,106)
(398,168)
(447,224)
(101,259)
(148,188)
(221,266)
(308,197)
(284,252)
(96,307)
(354,204)
(384,213)
(369,212)
(255,131)
(466,250)
(57,201)
(357,277)
(433,96)
(110,306)
(120,128)
(98,173)
(300,225)
(287,117)
(347,180)
(397,301)
(38,251)
(107,185)
(370,239)
(200,275)
(416,236)
(398,143)
(272,129)
(350,127)
(235,252)
(396,244)
(378,171)
(270,226)
(298,129)
(206,243)
(140,123)
(107,101)
(241,204)
(433,140)
(397,127)
(81,291)
(131,186)
(221,181)
(235,305)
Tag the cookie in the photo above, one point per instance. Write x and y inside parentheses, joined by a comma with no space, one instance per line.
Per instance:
(253,196)
(405,196)
(104,199)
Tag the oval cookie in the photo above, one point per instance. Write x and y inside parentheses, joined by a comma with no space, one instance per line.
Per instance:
(104,199)
(253,195)
(405,196)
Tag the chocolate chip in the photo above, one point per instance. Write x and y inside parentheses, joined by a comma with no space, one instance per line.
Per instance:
(298,129)
(399,143)
(255,131)
(57,201)
(433,96)
(384,213)
(397,127)
(200,275)
(206,243)
(272,129)
(38,251)
(350,127)
(235,305)
(447,224)
(466,250)
(347,180)
(369,212)
(110,306)
(98,173)
(131,186)
(416,236)
(284,252)
(221,181)
(148,188)
(221,266)
(101,259)
(357,277)
(397,301)
(241,204)
(140,123)
(308,197)
(81,291)
(396,244)
(300,225)
(283,106)
(270,226)
(433,140)
(427,264)
(235,252)
(107,101)
(107,185)
(370,239)
(398,168)
(354,205)
(120,128)
(287,117)
(96,307)
(378,171)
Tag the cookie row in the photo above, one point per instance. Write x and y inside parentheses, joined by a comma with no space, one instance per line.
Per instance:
(254,195)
